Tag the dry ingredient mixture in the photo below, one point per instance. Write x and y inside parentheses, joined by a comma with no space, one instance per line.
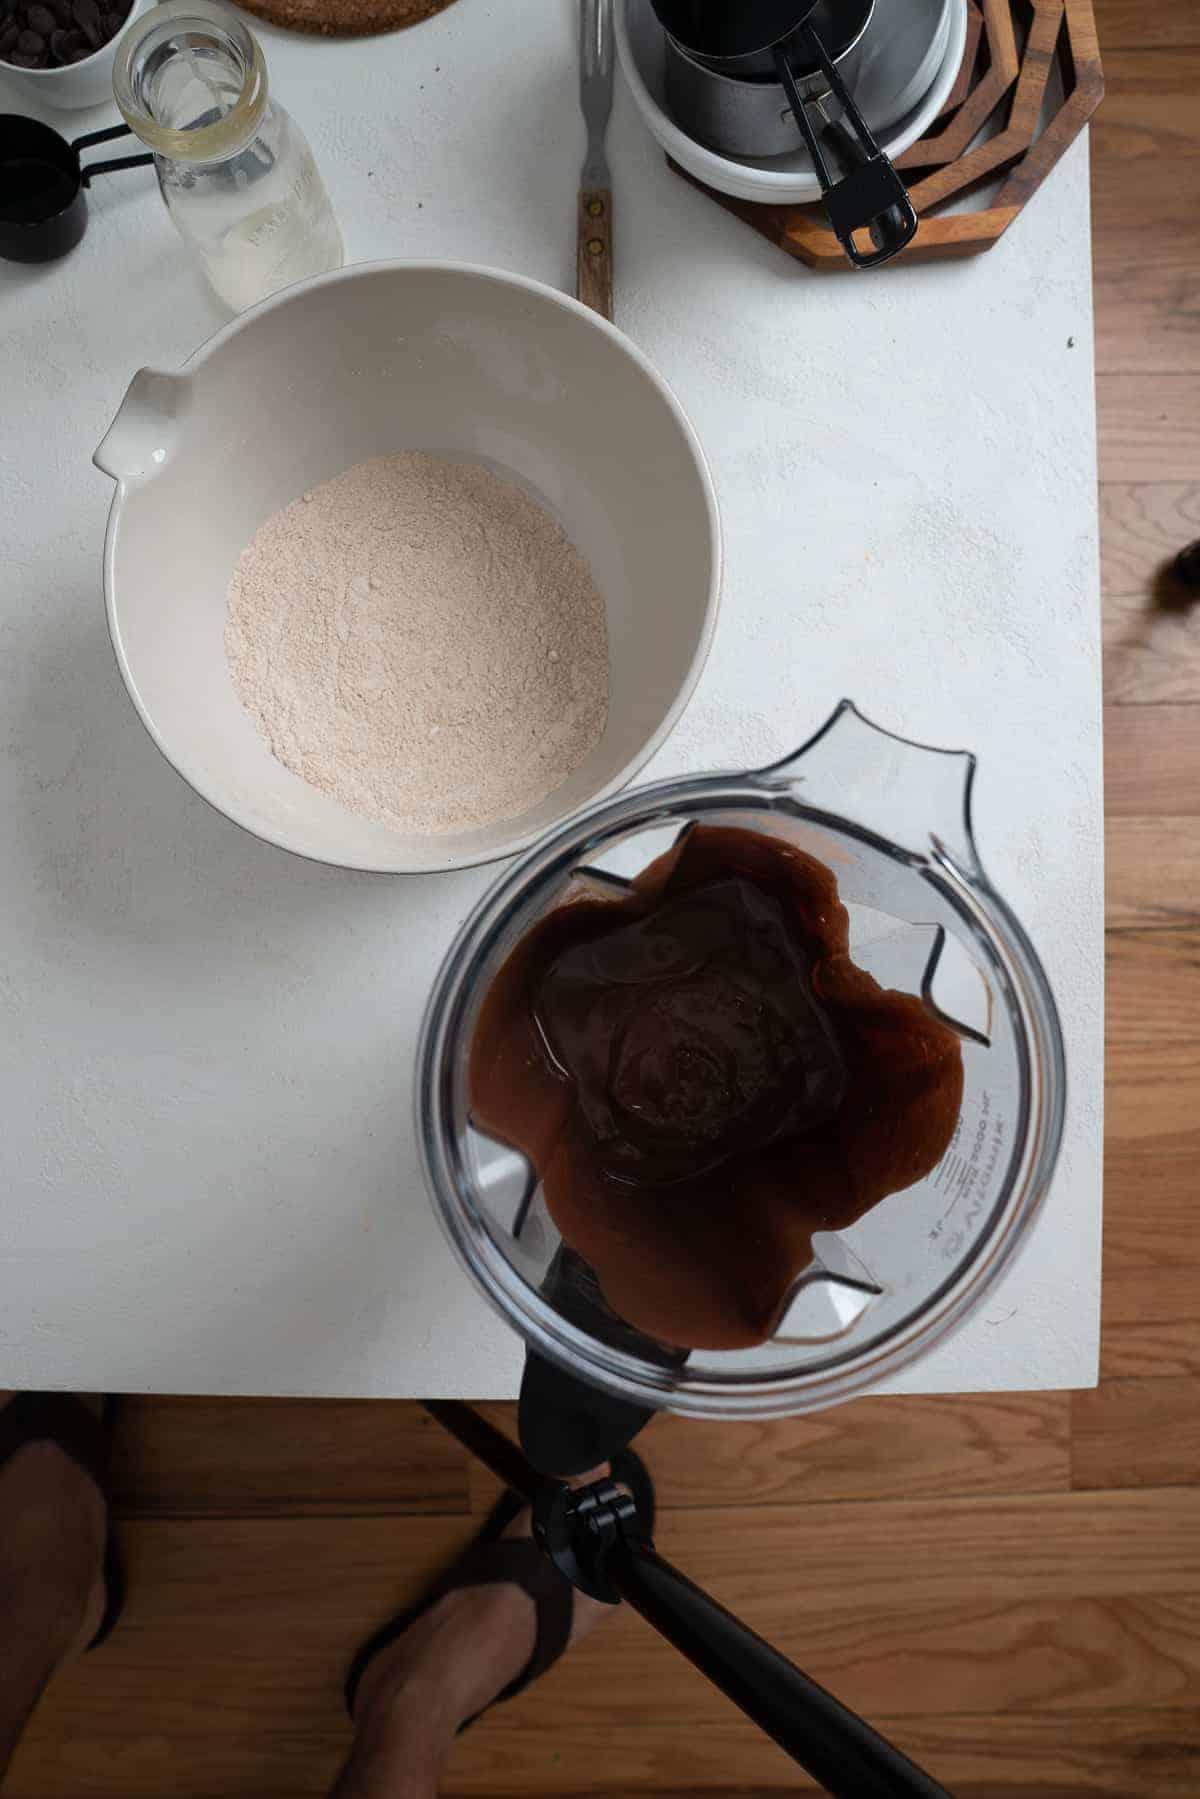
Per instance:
(420,640)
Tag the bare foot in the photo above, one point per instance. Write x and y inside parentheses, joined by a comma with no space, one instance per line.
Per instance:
(456,1657)
(52,1531)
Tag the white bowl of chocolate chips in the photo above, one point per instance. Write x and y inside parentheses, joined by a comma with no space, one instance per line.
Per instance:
(62,51)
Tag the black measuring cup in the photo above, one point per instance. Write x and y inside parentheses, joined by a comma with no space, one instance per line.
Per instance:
(43,205)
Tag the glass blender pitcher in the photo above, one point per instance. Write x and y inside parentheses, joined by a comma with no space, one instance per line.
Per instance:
(892,820)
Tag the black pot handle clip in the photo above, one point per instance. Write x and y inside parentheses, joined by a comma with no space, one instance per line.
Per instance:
(870,195)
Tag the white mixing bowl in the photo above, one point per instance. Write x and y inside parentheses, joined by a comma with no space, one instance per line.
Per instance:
(371,360)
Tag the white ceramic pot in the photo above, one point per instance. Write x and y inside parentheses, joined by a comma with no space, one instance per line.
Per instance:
(908,65)
(375,359)
(79,84)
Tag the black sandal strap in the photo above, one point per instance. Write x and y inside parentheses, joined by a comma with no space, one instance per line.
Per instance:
(492,1560)
(506,1508)
(496,1560)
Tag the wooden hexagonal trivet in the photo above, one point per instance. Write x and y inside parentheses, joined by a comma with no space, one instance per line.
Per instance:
(1011,48)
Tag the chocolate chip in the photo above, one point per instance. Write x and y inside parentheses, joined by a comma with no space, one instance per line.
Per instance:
(20,59)
(64,44)
(62,12)
(31,43)
(112,23)
(87,17)
(9,33)
(40,19)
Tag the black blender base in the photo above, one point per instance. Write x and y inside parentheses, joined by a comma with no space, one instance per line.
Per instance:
(569,1427)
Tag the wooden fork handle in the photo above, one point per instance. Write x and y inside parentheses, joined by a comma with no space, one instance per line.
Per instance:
(594,277)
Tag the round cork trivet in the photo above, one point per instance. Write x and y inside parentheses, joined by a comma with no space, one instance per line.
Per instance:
(344,18)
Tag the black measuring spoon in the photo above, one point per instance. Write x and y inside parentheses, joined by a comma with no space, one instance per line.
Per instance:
(43,206)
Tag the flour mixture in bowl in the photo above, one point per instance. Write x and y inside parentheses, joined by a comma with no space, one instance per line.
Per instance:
(419,639)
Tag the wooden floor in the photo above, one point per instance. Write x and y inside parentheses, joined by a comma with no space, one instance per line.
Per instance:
(1010,1586)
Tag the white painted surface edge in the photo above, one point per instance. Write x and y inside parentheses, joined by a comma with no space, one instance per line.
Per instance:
(210,1182)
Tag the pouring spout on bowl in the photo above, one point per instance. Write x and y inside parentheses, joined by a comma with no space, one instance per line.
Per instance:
(144,432)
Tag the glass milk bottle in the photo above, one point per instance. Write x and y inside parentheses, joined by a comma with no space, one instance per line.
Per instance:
(235,170)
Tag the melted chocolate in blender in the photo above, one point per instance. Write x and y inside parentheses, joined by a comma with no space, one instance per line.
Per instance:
(702,1078)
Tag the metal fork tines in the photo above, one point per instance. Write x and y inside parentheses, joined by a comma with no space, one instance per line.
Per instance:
(596,85)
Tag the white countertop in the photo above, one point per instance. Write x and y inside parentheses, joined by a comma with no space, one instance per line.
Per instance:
(209,1174)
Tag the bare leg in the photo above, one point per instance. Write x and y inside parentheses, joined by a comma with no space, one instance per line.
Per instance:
(448,1666)
(52,1526)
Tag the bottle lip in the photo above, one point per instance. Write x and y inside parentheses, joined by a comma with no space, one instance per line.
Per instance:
(206,143)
